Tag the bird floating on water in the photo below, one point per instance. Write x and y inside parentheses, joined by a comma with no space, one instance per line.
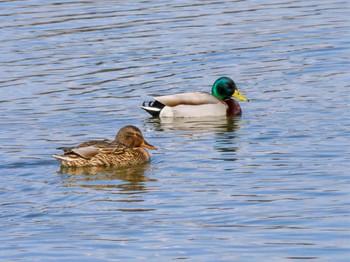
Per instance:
(126,149)
(199,104)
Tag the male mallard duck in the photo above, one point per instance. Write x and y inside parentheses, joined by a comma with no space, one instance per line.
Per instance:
(199,104)
(125,150)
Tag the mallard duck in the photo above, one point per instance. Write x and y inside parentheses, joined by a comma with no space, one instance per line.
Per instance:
(199,104)
(125,150)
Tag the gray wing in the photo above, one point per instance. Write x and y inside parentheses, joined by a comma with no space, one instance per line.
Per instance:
(91,148)
(189,98)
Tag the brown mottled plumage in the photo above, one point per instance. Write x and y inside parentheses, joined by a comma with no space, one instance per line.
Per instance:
(125,150)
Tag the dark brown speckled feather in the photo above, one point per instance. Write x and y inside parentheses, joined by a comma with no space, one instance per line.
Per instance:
(125,150)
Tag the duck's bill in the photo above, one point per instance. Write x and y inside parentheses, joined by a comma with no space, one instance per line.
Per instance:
(149,146)
(239,96)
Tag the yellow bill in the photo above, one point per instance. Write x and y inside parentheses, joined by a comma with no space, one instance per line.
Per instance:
(239,96)
(149,146)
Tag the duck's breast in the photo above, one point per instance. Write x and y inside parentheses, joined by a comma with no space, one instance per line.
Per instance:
(233,109)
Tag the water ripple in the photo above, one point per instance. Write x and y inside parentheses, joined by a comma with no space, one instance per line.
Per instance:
(273,181)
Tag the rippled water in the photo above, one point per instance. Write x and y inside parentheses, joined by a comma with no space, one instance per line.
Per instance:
(272,185)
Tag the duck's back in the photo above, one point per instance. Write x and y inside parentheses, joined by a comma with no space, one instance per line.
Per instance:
(191,104)
(107,157)
(188,98)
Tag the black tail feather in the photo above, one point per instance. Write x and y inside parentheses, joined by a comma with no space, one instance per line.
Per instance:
(153,107)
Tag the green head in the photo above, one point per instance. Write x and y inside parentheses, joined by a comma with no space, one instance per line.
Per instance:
(224,88)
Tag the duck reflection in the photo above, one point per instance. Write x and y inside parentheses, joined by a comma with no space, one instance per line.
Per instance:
(219,132)
(97,177)
(218,124)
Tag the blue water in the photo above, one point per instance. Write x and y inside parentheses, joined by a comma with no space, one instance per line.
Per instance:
(272,185)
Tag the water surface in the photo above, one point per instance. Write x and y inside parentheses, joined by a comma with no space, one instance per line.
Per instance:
(272,185)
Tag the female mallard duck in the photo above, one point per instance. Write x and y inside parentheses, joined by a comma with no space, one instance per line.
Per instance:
(125,150)
(199,104)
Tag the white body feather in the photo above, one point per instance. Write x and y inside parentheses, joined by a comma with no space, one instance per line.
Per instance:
(191,104)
